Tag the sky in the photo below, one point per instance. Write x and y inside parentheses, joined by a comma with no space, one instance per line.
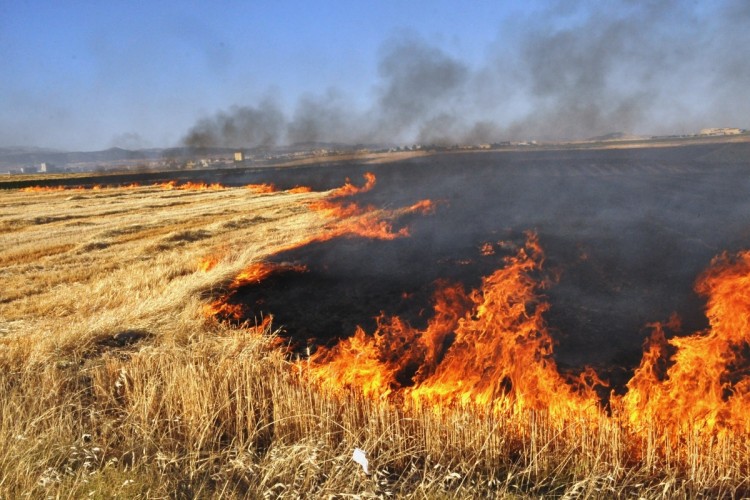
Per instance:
(89,75)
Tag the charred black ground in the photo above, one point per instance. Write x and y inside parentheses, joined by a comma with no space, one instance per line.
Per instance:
(627,231)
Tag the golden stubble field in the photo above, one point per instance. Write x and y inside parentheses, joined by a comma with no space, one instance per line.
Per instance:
(115,382)
(95,282)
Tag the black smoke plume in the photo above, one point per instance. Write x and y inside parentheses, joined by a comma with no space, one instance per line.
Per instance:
(242,126)
(572,71)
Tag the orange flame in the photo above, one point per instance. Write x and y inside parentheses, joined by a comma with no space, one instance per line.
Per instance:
(487,249)
(349,219)
(201,186)
(349,189)
(196,186)
(368,222)
(704,387)
(501,356)
(491,347)
(46,189)
(189,186)
(255,273)
(262,188)
(208,263)
(166,185)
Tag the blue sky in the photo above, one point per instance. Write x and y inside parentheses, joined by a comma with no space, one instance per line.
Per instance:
(96,74)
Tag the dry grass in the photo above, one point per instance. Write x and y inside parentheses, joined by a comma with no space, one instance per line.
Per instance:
(113,383)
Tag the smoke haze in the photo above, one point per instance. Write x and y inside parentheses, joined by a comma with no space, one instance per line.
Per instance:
(570,73)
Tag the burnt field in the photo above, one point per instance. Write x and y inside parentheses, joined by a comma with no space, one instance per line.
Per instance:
(625,233)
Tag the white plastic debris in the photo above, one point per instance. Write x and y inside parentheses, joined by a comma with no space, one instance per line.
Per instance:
(359,457)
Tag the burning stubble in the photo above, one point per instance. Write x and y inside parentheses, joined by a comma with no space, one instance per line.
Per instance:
(445,312)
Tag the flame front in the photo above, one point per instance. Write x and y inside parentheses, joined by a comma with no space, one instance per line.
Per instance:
(491,348)
(261,188)
(349,189)
(255,273)
(190,186)
(704,386)
(46,189)
(488,348)
(351,219)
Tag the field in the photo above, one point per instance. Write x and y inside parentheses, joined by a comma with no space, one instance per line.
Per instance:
(132,367)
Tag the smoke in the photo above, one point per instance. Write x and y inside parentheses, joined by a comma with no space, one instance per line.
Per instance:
(326,118)
(572,71)
(605,73)
(243,126)
(656,68)
(420,82)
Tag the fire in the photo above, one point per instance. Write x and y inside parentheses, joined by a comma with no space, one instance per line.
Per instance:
(262,188)
(700,384)
(351,219)
(348,219)
(491,347)
(221,307)
(46,189)
(375,363)
(207,263)
(487,249)
(201,186)
(170,185)
(349,189)
(166,185)
(271,188)
(500,355)
(189,186)
(423,207)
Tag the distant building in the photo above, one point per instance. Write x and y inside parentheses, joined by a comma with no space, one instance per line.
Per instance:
(239,157)
(46,167)
(720,131)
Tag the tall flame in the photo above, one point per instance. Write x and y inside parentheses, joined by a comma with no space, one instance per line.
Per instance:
(491,347)
(704,386)
(499,355)
(488,348)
